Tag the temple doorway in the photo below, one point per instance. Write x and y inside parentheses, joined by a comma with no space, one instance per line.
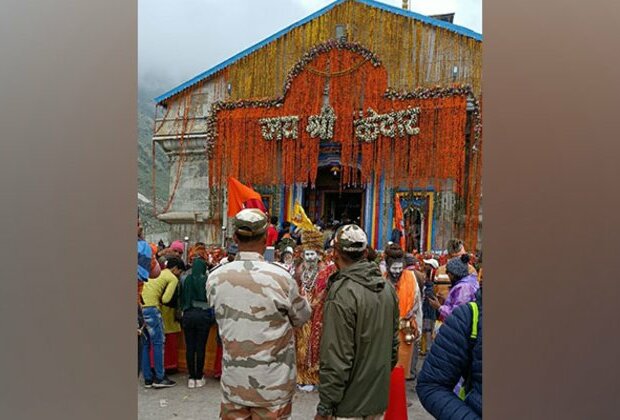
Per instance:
(327,202)
(342,206)
(413,228)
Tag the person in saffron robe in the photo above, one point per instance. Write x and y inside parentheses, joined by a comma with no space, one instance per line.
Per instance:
(307,276)
(405,284)
(316,321)
(420,277)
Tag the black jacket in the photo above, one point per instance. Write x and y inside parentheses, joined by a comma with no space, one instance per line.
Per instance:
(452,356)
(359,343)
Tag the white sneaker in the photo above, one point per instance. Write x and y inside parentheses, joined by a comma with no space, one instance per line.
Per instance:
(191,384)
(200,382)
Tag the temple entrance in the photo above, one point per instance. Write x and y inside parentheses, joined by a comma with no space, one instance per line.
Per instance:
(413,229)
(417,215)
(342,206)
(326,202)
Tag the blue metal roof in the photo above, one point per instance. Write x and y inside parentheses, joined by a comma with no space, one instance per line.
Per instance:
(431,21)
(393,9)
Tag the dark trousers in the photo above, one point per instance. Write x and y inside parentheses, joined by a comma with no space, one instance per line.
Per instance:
(196,325)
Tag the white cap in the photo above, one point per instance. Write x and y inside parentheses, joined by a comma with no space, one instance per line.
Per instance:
(432,262)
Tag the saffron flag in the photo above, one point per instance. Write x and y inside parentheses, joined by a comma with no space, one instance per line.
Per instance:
(242,197)
(300,219)
(399,221)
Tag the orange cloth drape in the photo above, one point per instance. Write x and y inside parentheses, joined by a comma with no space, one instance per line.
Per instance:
(405,289)
(213,355)
(398,220)
(171,352)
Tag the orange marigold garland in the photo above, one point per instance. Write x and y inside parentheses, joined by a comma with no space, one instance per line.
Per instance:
(357,83)
(472,215)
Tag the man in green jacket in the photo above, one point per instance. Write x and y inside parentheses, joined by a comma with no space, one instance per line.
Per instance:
(359,343)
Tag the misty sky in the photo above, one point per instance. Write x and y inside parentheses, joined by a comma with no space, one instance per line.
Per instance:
(178,39)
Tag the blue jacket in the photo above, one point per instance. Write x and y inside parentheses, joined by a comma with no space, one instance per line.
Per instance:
(144,260)
(450,358)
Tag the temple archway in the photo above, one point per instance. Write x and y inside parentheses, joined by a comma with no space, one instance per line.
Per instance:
(414,222)
(328,201)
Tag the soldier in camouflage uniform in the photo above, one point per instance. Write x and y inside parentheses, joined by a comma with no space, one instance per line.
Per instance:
(257,305)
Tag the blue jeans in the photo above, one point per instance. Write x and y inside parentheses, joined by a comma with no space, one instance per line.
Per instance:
(156,338)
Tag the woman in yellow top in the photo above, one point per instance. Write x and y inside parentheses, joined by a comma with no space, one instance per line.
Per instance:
(404,282)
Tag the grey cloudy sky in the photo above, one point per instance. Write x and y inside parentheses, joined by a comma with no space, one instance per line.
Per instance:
(178,39)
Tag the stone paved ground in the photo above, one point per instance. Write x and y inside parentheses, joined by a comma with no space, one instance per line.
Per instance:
(182,403)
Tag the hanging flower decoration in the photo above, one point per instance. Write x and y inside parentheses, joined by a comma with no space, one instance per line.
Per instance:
(325,48)
(393,124)
(445,92)
(298,68)
(277,128)
(477,120)
(322,126)
(367,129)
(430,124)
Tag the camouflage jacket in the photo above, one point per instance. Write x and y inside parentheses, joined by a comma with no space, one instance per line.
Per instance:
(257,304)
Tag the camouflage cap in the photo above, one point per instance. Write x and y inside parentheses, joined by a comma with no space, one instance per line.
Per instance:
(351,238)
(250,222)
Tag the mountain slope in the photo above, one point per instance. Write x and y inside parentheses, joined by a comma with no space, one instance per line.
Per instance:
(146,112)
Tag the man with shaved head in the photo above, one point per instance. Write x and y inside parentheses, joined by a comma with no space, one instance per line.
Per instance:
(257,304)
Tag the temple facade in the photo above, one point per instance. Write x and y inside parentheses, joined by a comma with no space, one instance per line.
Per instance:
(349,111)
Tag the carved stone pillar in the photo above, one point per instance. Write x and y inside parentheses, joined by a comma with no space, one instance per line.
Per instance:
(192,211)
